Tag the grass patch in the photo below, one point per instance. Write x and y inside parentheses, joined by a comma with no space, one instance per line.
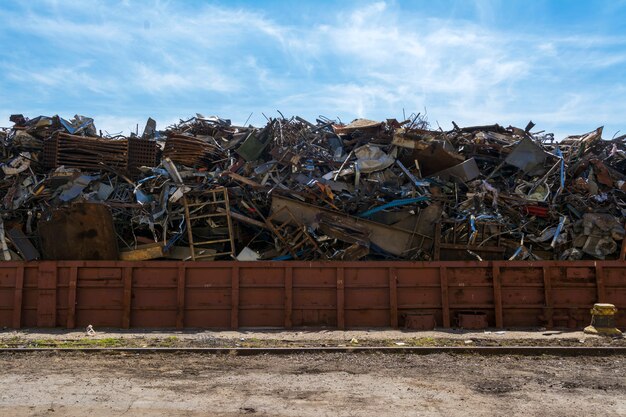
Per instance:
(51,343)
(170,341)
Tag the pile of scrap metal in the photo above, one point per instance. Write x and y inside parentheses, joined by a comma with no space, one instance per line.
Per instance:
(205,189)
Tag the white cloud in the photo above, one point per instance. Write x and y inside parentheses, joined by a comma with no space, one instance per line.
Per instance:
(193,79)
(389,60)
(369,60)
(72,79)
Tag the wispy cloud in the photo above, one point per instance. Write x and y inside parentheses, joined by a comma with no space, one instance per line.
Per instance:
(128,60)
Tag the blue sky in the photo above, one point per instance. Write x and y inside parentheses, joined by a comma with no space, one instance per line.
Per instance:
(560,63)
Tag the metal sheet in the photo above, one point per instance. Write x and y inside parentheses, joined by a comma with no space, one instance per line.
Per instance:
(79,232)
(232,294)
(23,244)
(436,158)
(393,240)
(527,156)
(465,171)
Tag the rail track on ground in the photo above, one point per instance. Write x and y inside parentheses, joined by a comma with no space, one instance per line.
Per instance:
(421,350)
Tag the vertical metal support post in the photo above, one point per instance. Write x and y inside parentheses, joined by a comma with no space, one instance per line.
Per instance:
(234,298)
(393,298)
(71,298)
(547,287)
(189,231)
(17,297)
(127,276)
(445,302)
(47,291)
(601,292)
(341,311)
(497,296)
(229,222)
(180,297)
(288,297)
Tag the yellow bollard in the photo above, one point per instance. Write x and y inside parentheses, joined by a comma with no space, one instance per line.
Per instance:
(603,320)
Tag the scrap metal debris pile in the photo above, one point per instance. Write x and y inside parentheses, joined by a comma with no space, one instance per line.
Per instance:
(204,189)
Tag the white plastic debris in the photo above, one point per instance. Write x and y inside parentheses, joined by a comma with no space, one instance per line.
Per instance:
(248,254)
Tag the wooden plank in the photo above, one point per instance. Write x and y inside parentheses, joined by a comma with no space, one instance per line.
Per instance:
(180,298)
(601,292)
(393,298)
(244,180)
(127,276)
(243,218)
(234,298)
(17,297)
(143,252)
(71,298)
(497,296)
(288,297)
(445,301)
(47,294)
(341,311)
(549,302)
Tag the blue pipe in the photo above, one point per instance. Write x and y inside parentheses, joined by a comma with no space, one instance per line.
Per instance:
(395,203)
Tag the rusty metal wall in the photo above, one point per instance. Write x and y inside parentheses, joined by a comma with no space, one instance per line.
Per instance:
(223,295)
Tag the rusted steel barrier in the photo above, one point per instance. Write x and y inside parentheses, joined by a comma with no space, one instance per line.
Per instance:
(222,295)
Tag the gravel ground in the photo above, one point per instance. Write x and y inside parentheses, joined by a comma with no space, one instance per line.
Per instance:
(296,338)
(117,384)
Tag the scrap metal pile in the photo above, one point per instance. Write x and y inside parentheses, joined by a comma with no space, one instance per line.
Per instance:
(204,189)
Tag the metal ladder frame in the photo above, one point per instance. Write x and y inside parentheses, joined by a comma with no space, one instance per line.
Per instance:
(225,213)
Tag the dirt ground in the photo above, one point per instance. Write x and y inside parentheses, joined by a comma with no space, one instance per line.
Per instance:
(349,384)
